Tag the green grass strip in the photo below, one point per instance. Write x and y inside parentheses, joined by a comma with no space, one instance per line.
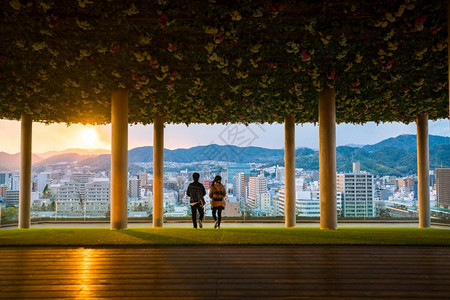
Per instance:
(225,236)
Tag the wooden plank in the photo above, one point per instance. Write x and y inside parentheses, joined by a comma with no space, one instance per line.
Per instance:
(234,272)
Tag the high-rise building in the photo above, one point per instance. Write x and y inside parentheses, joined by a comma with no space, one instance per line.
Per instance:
(43,179)
(98,190)
(257,185)
(143,178)
(307,203)
(443,187)
(134,188)
(279,173)
(67,191)
(80,180)
(358,190)
(5,178)
(280,201)
(233,169)
(15,182)
(12,198)
(265,201)
(3,190)
(241,182)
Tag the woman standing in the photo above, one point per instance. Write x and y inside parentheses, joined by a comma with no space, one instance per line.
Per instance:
(217,194)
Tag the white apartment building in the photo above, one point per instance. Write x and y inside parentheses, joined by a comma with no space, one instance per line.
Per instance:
(358,193)
(80,180)
(241,185)
(256,186)
(307,203)
(95,203)
(266,204)
(280,201)
(15,182)
(67,191)
(98,190)
(43,179)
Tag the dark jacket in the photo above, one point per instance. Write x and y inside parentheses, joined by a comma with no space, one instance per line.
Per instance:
(196,191)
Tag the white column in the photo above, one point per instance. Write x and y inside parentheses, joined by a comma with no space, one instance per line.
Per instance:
(289,171)
(423,171)
(119,159)
(25,171)
(158,171)
(327,158)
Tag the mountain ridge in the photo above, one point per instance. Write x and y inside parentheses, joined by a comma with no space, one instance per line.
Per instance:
(393,156)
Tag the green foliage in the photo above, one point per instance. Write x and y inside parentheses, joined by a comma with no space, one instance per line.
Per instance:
(47,193)
(223,61)
(9,214)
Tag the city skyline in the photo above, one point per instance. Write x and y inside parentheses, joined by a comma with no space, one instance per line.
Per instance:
(58,137)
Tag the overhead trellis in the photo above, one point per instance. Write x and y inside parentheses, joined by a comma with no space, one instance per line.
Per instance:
(223,61)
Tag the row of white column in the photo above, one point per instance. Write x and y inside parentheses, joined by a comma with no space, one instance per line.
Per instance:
(327,165)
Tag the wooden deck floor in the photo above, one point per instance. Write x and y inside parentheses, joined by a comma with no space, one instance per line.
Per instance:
(250,272)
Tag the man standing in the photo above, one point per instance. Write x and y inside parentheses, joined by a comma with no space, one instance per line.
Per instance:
(196,191)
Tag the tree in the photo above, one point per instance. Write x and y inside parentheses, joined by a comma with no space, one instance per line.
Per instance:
(9,214)
(385,213)
(46,193)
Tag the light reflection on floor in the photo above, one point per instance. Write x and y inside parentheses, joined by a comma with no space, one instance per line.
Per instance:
(85,278)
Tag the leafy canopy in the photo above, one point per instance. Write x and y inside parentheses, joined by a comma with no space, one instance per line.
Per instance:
(221,61)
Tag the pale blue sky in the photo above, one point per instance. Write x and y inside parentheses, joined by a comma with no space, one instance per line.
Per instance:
(60,137)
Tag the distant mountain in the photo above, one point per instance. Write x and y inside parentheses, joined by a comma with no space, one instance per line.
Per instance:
(97,163)
(394,156)
(74,150)
(66,158)
(11,162)
(384,161)
(407,142)
(209,152)
(355,145)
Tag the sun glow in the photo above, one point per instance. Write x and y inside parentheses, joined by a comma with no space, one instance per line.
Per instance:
(89,138)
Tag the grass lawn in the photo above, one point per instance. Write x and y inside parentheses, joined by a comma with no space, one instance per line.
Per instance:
(226,236)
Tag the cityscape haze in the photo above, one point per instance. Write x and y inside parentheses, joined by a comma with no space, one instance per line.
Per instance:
(75,185)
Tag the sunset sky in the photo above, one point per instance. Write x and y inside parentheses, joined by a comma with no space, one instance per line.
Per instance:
(60,137)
